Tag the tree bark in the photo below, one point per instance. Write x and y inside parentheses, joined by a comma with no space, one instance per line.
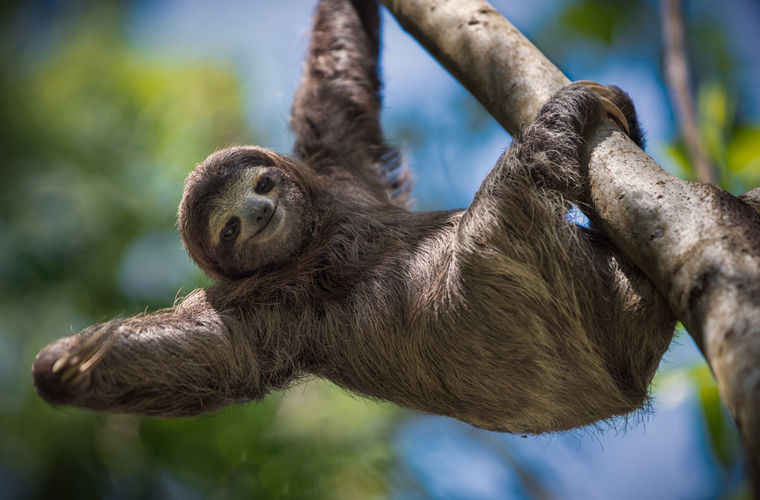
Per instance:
(699,245)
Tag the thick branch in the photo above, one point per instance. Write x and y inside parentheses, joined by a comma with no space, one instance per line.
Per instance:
(699,245)
(489,56)
(677,77)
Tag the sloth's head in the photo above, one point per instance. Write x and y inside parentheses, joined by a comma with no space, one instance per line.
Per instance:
(245,208)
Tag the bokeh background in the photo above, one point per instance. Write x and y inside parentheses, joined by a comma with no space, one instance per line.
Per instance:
(104,109)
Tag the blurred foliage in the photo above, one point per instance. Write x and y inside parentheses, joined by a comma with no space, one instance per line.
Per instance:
(97,139)
(732,146)
(314,443)
(721,429)
(720,433)
(598,28)
(600,20)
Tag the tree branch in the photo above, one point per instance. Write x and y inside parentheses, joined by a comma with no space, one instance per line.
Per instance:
(699,245)
(489,56)
(677,78)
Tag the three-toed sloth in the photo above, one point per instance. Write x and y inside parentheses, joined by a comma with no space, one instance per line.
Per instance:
(504,315)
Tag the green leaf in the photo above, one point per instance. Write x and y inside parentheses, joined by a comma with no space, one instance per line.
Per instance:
(715,117)
(743,156)
(678,154)
(591,18)
(720,427)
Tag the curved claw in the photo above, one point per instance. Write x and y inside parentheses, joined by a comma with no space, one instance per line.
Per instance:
(65,365)
(86,356)
(607,95)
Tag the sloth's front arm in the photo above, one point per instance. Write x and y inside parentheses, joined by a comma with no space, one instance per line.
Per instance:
(176,362)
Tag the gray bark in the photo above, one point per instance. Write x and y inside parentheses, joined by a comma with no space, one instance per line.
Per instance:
(699,245)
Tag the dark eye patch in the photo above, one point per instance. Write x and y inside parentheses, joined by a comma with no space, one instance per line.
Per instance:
(231,229)
(264,184)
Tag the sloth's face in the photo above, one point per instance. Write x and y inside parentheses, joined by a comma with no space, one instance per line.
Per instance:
(243,209)
(256,219)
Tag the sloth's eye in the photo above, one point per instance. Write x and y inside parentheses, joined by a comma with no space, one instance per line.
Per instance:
(264,184)
(231,229)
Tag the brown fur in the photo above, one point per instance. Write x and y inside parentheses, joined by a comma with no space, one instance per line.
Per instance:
(503,315)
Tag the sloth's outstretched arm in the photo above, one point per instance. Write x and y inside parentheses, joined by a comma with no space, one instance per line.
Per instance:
(181,361)
(336,110)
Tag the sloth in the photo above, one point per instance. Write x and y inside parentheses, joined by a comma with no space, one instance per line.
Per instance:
(504,315)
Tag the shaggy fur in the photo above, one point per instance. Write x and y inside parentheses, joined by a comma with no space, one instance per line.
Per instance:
(503,315)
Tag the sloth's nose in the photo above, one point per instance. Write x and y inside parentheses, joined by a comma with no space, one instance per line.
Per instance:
(257,210)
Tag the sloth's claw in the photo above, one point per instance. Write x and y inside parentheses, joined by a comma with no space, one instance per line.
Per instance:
(607,96)
(86,356)
(63,367)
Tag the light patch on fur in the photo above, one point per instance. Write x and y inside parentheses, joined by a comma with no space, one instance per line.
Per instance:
(229,202)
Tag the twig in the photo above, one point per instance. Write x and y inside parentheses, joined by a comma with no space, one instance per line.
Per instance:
(677,77)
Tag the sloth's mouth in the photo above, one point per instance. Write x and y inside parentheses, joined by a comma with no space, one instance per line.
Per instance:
(266,224)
